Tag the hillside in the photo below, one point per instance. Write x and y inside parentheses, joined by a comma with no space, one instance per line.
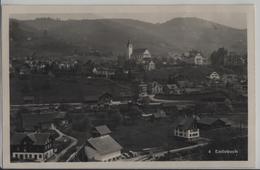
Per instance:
(108,37)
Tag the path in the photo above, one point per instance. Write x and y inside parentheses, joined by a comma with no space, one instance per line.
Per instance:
(74,142)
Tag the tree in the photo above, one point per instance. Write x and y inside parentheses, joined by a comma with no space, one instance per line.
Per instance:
(217,57)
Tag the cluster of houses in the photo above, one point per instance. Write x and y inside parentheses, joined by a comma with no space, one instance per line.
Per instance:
(187,87)
(31,65)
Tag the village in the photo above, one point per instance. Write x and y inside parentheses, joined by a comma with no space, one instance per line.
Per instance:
(139,107)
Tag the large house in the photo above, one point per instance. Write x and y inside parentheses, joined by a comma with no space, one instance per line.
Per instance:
(31,146)
(102,148)
(199,59)
(187,129)
(155,88)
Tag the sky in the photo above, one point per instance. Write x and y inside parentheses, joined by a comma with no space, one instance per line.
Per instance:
(235,20)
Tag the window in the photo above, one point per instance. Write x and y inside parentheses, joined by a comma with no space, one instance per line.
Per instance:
(30,156)
(40,156)
(35,156)
(25,156)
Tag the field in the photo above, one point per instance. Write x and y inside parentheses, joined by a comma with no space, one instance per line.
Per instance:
(67,88)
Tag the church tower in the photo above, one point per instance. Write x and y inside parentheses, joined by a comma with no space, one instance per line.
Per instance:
(129,46)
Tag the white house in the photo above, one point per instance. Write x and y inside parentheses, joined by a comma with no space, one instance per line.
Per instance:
(198,59)
(103,148)
(214,76)
(187,129)
(150,65)
(156,88)
(31,146)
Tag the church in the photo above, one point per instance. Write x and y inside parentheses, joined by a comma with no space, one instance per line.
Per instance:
(139,55)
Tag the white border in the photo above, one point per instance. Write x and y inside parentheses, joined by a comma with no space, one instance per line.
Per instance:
(150,2)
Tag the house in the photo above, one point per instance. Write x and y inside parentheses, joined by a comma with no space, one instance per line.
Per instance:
(159,114)
(198,59)
(31,146)
(103,148)
(172,89)
(212,123)
(142,89)
(100,131)
(103,72)
(155,88)
(149,66)
(214,76)
(187,129)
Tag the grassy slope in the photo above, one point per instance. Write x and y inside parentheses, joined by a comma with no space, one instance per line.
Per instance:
(67,89)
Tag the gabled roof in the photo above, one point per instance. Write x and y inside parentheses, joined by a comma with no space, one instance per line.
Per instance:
(104,144)
(139,51)
(209,121)
(187,123)
(103,130)
(37,138)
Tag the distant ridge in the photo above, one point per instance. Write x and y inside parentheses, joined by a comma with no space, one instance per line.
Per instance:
(109,36)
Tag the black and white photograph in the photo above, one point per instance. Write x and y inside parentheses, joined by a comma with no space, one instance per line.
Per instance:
(151,86)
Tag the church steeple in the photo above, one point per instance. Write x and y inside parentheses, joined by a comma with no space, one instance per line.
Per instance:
(129,46)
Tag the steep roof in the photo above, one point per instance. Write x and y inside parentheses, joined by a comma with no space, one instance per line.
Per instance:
(104,144)
(139,51)
(37,138)
(187,123)
(103,129)
(209,121)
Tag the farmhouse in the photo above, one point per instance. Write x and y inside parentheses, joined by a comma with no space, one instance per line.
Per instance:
(103,148)
(187,129)
(31,146)
(211,123)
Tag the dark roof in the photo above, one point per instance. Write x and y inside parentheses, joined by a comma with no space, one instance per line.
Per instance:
(103,129)
(139,51)
(37,138)
(209,121)
(187,123)
(104,144)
